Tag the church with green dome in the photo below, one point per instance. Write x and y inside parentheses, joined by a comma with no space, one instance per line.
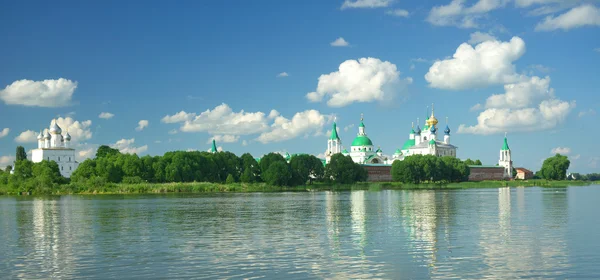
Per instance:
(362,149)
(419,142)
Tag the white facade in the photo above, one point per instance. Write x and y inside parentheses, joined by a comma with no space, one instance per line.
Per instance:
(52,145)
(506,159)
(361,151)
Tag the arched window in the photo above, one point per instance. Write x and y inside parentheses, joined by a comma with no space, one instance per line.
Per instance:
(58,158)
(62,168)
(425,138)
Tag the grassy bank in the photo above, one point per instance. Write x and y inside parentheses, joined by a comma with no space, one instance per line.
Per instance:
(262,187)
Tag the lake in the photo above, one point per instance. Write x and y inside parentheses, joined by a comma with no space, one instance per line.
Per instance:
(455,234)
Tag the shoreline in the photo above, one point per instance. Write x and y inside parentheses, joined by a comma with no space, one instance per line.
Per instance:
(204,187)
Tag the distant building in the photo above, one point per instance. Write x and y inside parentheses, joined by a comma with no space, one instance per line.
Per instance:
(506,159)
(52,145)
(523,173)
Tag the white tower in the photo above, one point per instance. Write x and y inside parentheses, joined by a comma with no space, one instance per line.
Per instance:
(447,133)
(505,159)
(67,140)
(46,139)
(40,139)
(418,134)
(334,143)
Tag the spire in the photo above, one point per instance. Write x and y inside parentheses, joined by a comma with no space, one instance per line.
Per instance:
(412,129)
(334,135)
(505,146)
(361,120)
(214,147)
(447,130)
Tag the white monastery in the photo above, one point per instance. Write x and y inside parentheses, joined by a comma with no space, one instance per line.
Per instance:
(52,145)
(425,142)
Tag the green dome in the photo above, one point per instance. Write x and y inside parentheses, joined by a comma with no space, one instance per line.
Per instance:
(378,150)
(344,151)
(431,142)
(362,140)
(398,151)
(409,143)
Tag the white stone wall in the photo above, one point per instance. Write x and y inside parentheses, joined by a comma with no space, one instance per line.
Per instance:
(65,158)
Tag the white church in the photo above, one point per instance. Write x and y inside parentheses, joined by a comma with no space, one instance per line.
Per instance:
(52,145)
(424,142)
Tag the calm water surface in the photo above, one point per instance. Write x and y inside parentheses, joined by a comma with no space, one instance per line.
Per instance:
(473,234)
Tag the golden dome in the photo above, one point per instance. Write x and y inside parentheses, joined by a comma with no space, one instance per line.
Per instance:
(432,120)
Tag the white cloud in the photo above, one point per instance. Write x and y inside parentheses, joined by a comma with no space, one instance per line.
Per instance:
(488,63)
(46,93)
(179,117)
(348,127)
(86,153)
(224,139)
(221,120)
(6,160)
(589,112)
(339,42)
(363,80)
(106,115)
(527,3)
(126,146)
(4,132)
(302,123)
(141,125)
(457,14)
(79,131)
(575,157)
(273,114)
(192,150)
(478,37)
(398,13)
(244,143)
(157,141)
(561,150)
(366,3)
(547,115)
(523,94)
(28,136)
(173,131)
(541,68)
(584,15)
(282,75)
(476,107)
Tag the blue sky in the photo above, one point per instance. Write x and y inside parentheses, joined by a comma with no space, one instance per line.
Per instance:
(194,70)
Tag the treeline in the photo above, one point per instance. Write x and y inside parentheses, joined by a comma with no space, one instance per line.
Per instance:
(417,169)
(585,177)
(111,166)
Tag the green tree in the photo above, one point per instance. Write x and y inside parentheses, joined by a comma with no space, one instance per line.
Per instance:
(478,162)
(469,162)
(8,168)
(84,171)
(251,169)
(555,168)
(230,179)
(342,169)
(268,159)
(278,174)
(305,168)
(104,151)
(21,154)
(24,169)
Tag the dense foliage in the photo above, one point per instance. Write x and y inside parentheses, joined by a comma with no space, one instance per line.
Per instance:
(20,154)
(555,168)
(342,170)
(585,177)
(427,168)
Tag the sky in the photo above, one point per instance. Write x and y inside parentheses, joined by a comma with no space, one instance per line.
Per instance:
(271,76)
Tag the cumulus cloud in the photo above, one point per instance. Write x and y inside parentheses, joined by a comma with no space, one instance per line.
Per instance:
(85,151)
(561,150)
(224,139)
(282,75)
(4,132)
(221,120)
(584,15)
(179,117)
(398,13)
(457,14)
(302,123)
(478,37)
(6,160)
(28,136)
(46,93)
(522,94)
(488,63)
(363,80)
(348,127)
(141,125)
(79,130)
(126,146)
(106,115)
(339,42)
(547,115)
(527,3)
(366,3)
